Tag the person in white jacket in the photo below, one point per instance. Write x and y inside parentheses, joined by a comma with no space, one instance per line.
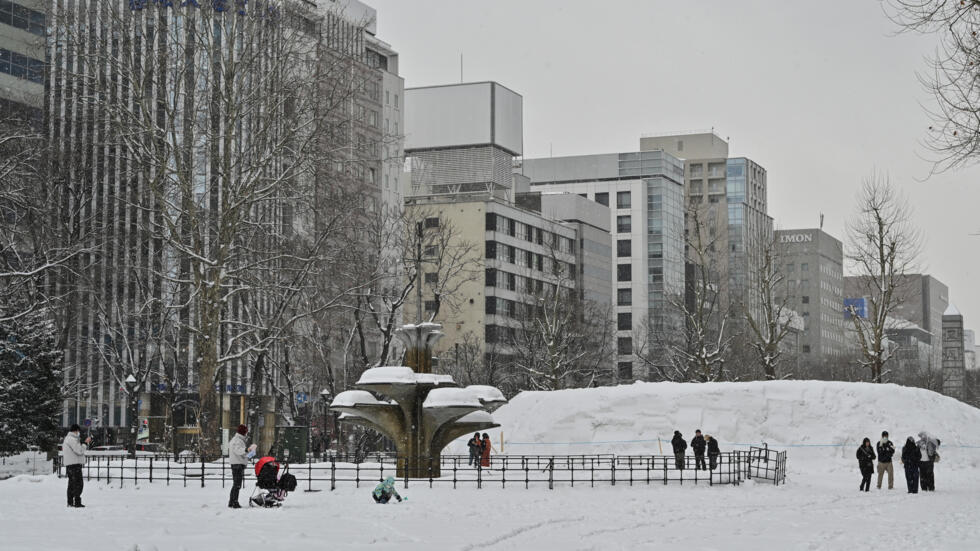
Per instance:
(73,457)
(238,457)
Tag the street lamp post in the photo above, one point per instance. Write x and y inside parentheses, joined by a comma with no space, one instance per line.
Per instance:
(133,423)
(325,398)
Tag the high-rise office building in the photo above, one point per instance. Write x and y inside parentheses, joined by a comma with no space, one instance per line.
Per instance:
(645,195)
(731,195)
(811,264)
(355,69)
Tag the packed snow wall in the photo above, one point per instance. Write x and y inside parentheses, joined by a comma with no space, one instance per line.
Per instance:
(818,422)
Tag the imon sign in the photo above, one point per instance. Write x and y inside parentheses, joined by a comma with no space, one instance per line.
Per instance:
(796,238)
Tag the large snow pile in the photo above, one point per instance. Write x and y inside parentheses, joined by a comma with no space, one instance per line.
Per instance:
(815,420)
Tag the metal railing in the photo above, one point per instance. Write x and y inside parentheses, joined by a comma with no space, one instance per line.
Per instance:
(730,468)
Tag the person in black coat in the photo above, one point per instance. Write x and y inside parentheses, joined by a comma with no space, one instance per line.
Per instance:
(713,451)
(886,449)
(866,461)
(476,449)
(910,459)
(679,445)
(698,445)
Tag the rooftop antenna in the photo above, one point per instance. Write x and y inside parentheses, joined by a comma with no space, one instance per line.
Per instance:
(821,220)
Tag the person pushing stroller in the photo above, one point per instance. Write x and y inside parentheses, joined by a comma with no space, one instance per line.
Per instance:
(384,491)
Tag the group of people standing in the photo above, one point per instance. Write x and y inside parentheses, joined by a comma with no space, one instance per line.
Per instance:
(699,444)
(480,450)
(918,458)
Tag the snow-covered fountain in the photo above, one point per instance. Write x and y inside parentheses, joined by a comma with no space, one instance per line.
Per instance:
(420,411)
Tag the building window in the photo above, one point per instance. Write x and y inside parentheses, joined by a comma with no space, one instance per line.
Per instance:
(491,277)
(624,321)
(624,346)
(387,97)
(432,222)
(790,268)
(396,101)
(623,200)
(623,247)
(432,278)
(806,348)
(23,18)
(430,306)
(431,250)
(624,272)
(491,247)
(602,198)
(806,299)
(624,224)
(624,370)
(804,267)
(624,297)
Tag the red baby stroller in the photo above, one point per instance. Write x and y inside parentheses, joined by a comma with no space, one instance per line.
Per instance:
(271,489)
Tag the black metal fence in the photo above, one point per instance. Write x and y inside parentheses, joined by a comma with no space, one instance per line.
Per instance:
(730,468)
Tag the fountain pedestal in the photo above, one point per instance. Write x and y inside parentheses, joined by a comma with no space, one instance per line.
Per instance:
(420,411)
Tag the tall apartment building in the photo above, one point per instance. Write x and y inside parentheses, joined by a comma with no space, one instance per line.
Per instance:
(811,262)
(732,194)
(22,58)
(645,195)
(328,31)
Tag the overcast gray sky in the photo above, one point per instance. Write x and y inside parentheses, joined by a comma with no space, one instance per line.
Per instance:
(821,94)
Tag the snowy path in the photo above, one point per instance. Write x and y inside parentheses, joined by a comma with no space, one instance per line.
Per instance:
(813,511)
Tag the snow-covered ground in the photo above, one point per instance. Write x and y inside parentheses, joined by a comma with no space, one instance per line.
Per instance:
(818,508)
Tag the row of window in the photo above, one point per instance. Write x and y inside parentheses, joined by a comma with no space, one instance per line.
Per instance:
(624,199)
(528,259)
(21,66)
(519,284)
(527,232)
(15,15)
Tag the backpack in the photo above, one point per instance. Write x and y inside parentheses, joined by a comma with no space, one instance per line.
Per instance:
(287,482)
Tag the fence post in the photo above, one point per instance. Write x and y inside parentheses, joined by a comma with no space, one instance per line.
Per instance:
(202,471)
(168,470)
(185,474)
(479,476)
(527,475)
(503,471)
(665,469)
(551,474)
(223,471)
(151,470)
(333,474)
(612,470)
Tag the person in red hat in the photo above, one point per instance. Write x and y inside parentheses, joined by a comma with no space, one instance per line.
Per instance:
(238,457)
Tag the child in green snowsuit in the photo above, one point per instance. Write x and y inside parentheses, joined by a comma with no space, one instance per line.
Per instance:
(383,492)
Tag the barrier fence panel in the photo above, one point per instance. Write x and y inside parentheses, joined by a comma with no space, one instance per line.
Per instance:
(551,471)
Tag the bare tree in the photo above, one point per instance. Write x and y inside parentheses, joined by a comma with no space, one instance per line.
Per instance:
(417,253)
(770,326)
(884,246)
(954,76)
(560,340)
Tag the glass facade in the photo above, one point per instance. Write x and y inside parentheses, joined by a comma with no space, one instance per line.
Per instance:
(665,248)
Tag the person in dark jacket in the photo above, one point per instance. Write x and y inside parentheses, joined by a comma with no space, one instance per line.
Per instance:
(886,449)
(476,449)
(679,445)
(910,459)
(866,462)
(698,445)
(713,451)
